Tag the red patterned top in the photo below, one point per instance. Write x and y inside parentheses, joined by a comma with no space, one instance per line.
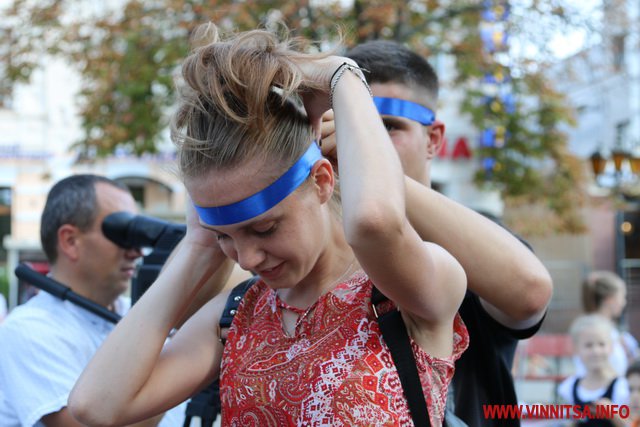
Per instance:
(336,371)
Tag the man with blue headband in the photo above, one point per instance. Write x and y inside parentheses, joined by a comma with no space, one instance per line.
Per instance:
(509,288)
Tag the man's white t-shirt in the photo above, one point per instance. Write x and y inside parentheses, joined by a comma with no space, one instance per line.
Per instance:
(44,346)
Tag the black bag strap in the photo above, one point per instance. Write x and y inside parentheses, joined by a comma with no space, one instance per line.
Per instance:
(233,301)
(395,334)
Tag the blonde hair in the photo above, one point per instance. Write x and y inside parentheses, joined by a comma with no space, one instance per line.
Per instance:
(238,99)
(589,322)
(598,286)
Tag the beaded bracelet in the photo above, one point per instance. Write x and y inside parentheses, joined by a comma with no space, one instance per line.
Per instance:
(340,71)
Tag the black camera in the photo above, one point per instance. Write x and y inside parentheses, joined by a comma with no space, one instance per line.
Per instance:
(138,231)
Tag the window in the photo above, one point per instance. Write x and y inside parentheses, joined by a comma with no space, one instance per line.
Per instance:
(621,133)
(152,197)
(138,194)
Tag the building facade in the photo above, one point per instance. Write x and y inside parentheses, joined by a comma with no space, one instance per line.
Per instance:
(602,84)
(38,125)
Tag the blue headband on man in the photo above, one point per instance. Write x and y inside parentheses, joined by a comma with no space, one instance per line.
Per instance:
(266,198)
(403,108)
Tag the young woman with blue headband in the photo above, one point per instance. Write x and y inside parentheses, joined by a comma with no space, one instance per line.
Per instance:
(305,347)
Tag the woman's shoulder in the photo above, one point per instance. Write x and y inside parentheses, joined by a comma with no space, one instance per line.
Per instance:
(256,291)
(357,286)
(252,301)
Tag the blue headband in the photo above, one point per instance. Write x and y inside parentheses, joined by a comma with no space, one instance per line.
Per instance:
(407,109)
(266,198)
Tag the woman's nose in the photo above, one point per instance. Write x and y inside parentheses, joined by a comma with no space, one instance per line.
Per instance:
(249,256)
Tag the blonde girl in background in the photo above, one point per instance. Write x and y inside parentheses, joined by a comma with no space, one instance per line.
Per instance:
(605,293)
(600,384)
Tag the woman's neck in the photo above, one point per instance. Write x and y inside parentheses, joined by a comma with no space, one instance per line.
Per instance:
(334,265)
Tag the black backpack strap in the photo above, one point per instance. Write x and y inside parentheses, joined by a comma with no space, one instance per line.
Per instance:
(377,297)
(233,302)
(574,392)
(394,332)
(609,392)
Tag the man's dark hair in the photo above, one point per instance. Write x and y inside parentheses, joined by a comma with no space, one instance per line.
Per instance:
(392,62)
(71,200)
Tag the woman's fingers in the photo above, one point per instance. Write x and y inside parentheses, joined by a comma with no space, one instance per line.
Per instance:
(318,74)
(328,141)
(195,231)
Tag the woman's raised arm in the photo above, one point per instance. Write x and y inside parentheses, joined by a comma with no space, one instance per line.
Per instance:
(134,375)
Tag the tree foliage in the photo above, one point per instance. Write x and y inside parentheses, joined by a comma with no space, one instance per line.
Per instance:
(128,52)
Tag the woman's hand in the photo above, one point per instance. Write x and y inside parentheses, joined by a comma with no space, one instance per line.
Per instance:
(328,139)
(201,242)
(196,233)
(317,76)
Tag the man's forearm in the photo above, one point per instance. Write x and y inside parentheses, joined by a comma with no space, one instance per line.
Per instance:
(500,268)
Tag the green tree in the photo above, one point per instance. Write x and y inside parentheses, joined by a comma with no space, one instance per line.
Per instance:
(128,57)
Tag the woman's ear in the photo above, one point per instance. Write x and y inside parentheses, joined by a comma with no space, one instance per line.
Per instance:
(323,179)
(436,138)
(68,241)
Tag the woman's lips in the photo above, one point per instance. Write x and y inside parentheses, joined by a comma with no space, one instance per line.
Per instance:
(271,273)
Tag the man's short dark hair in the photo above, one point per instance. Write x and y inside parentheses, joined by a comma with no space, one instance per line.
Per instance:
(71,200)
(392,62)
